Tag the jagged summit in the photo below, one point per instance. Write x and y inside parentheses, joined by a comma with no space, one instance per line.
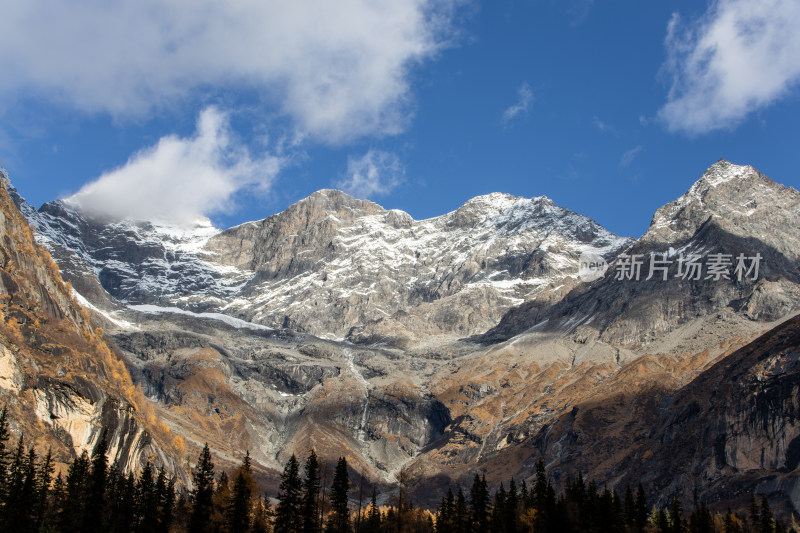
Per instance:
(336,200)
(739,200)
(330,262)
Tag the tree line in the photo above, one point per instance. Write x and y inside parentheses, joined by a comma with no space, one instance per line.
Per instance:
(583,507)
(95,496)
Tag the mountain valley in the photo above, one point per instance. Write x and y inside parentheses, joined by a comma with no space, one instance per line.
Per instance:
(443,347)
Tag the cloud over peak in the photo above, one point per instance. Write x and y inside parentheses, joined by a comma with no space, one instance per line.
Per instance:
(179,180)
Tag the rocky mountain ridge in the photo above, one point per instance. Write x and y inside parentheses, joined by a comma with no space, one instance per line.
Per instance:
(372,274)
(708,220)
(454,344)
(64,386)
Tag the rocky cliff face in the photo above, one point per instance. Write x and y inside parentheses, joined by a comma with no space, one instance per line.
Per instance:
(731,211)
(732,429)
(338,267)
(462,342)
(63,385)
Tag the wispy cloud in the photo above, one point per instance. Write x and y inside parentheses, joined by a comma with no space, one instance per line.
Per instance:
(523,104)
(376,173)
(602,126)
(628,156)
(579,11)
(741,56)
(339,70)
(180,179)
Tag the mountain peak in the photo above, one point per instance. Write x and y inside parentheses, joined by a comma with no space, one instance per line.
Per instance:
(496,204)
(737,198)
(333,201)
(723,171)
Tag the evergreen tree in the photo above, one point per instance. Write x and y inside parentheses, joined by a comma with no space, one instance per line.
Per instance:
(731,523)
(497,520)
(203,493)
(71,512)
(21,496)
(373,522)
(540,488)
(640,508)
(219,504)
(701,520)
(523,494)
(262,517)
(479,504)
(445,514)
(240,505)
(662,521)
(339,520)
(511,508)
(32,502)
(311,487)
(28,495)
(767,523)
(165,491)
(755,517)
(403,502)
(56,501)
(94,506)
(574,505)
(13,489)
(124,515)
(461,516)
(676,516)
(4,457)
(44,478)
(147,501)
(288,517)
(616,516)
(183,508)
(544,499)
(630,508)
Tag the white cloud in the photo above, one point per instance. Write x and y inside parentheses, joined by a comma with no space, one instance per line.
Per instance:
(628,156)
(180,179)
(376,173)
(340,69)
(602,126)
(525,99)
(741,56)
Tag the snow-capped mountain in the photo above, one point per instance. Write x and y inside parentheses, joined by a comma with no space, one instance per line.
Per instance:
(459,342)
(333,265)
(731,211)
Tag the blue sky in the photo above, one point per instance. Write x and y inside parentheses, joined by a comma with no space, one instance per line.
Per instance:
(235,110)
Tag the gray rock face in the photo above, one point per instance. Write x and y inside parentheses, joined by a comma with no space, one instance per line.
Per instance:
(733,429)
(738,200)
(59,379)
(731,210)
(333,266)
